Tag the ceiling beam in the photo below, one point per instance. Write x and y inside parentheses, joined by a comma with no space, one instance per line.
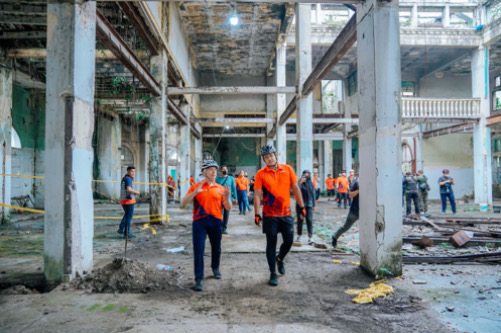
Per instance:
(494,120)
(39,53)
(235,135)
(177,113)
(461,128)
(343,43)
(23,9)
(203,121)
(319,136)
(291,108)
(23,34)
(113,41)
(269,90)
(140,26)
(327,120)
(23,19)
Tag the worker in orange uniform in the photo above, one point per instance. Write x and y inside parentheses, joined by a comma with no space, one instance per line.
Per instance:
(242,184)
(343,187)
(329,182)
(273,183)
(208,199)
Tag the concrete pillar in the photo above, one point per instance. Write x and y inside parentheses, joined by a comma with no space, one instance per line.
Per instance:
(281,103)
(446,16)
(5,140)
(69,126)
(318,13)
(328,159)
(380,138)
(418,151)
(109,139)
(482,152)
(414,16)
(158,136)
(185,148)
(347,148)
(304,111)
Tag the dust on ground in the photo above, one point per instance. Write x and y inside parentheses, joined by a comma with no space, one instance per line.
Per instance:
(310,297)
(126,276)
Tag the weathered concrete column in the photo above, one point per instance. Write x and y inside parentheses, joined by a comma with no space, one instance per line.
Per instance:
(414,16)
(446,16)
(5,139)
(281,103)
(185,148)
(482,152)
(304,111)
(347,148)
(158,137)
(418,143)
(378,50)
(328,159)
(109,139)
(69,125)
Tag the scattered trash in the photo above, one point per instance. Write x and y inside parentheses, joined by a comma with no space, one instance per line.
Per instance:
(450,308)
(147,226)
(354,263)
(419,282)
(424,242)
(164,267)
(337,261)
(375,290)
(176,250)
(459,238)
(297,244)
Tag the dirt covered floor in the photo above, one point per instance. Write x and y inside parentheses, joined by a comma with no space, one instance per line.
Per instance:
(151,290)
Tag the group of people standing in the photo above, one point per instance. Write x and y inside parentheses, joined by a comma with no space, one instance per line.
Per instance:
(340,187)
(415,190)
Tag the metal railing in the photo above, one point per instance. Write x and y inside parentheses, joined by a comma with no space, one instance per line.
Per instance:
(440,108)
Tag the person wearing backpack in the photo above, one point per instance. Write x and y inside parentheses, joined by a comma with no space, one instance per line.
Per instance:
(410,184)
(423,189)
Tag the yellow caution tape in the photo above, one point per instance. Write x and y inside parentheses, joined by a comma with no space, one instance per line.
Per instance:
(147,226)
(22,176)
(355,263)
(337,261)
(375,290)
(39,211)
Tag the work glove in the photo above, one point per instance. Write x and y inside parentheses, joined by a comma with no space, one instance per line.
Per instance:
(302,213)
(258,219)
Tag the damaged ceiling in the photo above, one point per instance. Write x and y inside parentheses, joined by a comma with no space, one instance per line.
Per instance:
(242,49)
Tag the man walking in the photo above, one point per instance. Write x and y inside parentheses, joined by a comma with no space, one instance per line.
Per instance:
(352,215)
(127,200)
(242,184)
(208,199)
(308,194)
(274,183)
(446,191)
(423,189)
(224,180)
(410,184)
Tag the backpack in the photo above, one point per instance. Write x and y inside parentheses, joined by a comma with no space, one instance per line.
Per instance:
(424,187)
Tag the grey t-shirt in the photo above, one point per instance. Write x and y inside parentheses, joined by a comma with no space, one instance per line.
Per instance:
(446,188)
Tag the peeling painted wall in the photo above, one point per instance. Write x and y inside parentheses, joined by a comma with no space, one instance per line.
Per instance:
(108,155)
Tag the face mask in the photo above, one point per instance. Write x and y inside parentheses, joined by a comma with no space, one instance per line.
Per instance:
(225,173)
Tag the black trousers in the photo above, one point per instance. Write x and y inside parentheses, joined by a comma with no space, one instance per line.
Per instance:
(309,221)
(271,227)
(412,196)
(226,216)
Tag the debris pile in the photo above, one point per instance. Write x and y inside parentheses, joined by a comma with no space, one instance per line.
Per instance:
(375,290)
(126,276)
(18,290)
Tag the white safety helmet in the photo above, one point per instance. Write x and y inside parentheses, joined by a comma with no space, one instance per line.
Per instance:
(209,163)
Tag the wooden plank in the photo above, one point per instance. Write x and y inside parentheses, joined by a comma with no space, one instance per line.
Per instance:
(473,242)
(343,43)
(269,90)
(483,257)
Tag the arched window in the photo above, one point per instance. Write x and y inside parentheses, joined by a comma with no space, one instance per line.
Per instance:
(15,141)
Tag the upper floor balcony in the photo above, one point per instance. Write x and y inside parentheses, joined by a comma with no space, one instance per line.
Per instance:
(422,110)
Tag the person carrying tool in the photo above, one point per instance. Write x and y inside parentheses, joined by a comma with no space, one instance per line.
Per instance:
(273,183)
(208,199)
(127,200)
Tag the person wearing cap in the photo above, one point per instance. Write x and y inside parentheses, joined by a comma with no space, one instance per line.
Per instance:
(352,215)
(308,194)
(423,189)
(411,194)
(208,198)
(445,182)
(223,180)
(343,186)
(273,183)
